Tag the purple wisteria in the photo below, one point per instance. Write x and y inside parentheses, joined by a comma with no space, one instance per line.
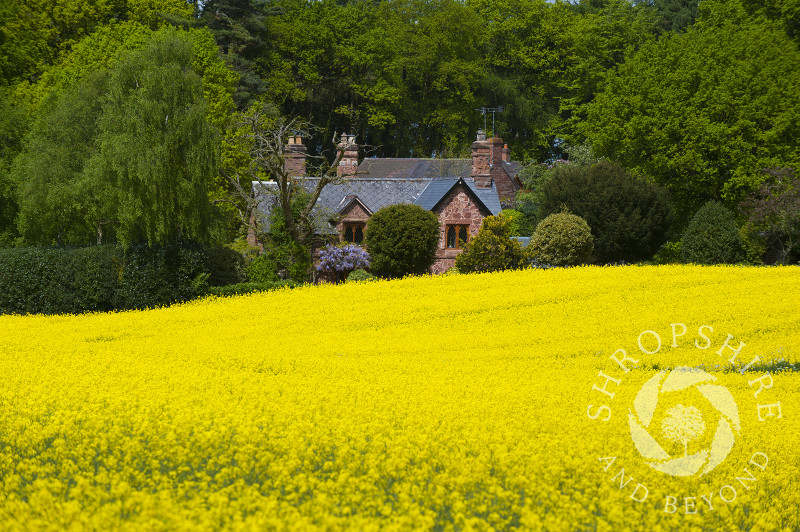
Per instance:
(341,259)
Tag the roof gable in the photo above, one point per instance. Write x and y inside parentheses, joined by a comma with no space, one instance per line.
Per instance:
(438,189)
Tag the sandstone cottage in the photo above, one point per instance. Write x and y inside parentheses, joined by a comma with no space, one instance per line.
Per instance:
(462,192)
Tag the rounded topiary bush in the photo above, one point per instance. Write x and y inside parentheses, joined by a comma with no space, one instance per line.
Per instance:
(360,275)
(712,237)
(561,239)
(492,249)
(401,240)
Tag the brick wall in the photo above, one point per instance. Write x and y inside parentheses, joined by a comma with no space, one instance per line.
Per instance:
(456,208)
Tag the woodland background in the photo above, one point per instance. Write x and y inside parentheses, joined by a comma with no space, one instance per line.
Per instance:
(116,116)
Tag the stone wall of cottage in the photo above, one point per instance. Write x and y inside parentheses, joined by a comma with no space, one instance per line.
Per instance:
(456,208)
(354,213)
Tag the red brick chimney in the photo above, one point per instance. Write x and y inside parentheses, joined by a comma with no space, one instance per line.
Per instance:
(486,155)
(294,157)
(506,154)
(349,162)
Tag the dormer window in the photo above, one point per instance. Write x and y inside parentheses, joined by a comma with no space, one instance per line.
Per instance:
(353,232)
(456,236)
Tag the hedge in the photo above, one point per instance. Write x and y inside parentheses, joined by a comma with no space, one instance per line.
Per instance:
(98,278)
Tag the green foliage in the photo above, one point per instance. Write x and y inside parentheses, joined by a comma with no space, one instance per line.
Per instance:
(674,15)
(159,275)
(629,216)
(669,253)
(712,237)
(492,249)
(262,270)
(35,34)
(597,42)
(402,240)
(157,148)
(248,288)
(561,239)
(126,154)
(58,281)
(98,278)
(703,112)
(283,257)
(13,127)
(225,266)
(754,244)
(520,225)
(60,202)
(785,12)
(536,177)
(774,209)
(360,275)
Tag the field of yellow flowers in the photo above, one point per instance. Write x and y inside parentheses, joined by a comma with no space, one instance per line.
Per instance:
(477,402)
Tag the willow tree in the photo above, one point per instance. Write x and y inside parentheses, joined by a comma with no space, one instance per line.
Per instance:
(156,146)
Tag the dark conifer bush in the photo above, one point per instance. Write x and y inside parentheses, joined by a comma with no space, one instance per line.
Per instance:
(712,237)
(629,216)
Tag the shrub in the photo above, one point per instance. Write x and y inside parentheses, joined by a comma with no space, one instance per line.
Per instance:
(629,217)
(755,244)
(519,223)
(773,217)
(153,276)
(225,266)
(247,288)
(401,240)
(339,260)
(360,275)
(712,237)
(58,281)
(262,270)
(98,278)
(561,239)
(669,253)
(492,249)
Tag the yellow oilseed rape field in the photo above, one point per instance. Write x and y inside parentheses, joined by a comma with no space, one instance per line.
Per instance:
(461,402)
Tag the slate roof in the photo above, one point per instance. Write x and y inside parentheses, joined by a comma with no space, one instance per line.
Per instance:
(385,168)
(438,188)
(377,192)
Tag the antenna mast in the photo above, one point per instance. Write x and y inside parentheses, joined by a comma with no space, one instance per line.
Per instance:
(484,111)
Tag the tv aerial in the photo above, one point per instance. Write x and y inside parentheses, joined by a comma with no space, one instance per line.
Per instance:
(485,111)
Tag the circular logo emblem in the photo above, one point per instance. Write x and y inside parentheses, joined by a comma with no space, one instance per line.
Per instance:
(683,424)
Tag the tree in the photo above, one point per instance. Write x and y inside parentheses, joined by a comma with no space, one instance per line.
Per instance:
(629,216)
(402,240)
(13,126)
(256,153)
(787,12)
(129,149)
(683,425)
(703,112)
(492,249)
(243,35)
(598,40)
(712,237)
(157,148)
(775,208)
(674,15)
(60,201)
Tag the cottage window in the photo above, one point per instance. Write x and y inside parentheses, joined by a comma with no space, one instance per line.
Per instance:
(354,233)
(456,236)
